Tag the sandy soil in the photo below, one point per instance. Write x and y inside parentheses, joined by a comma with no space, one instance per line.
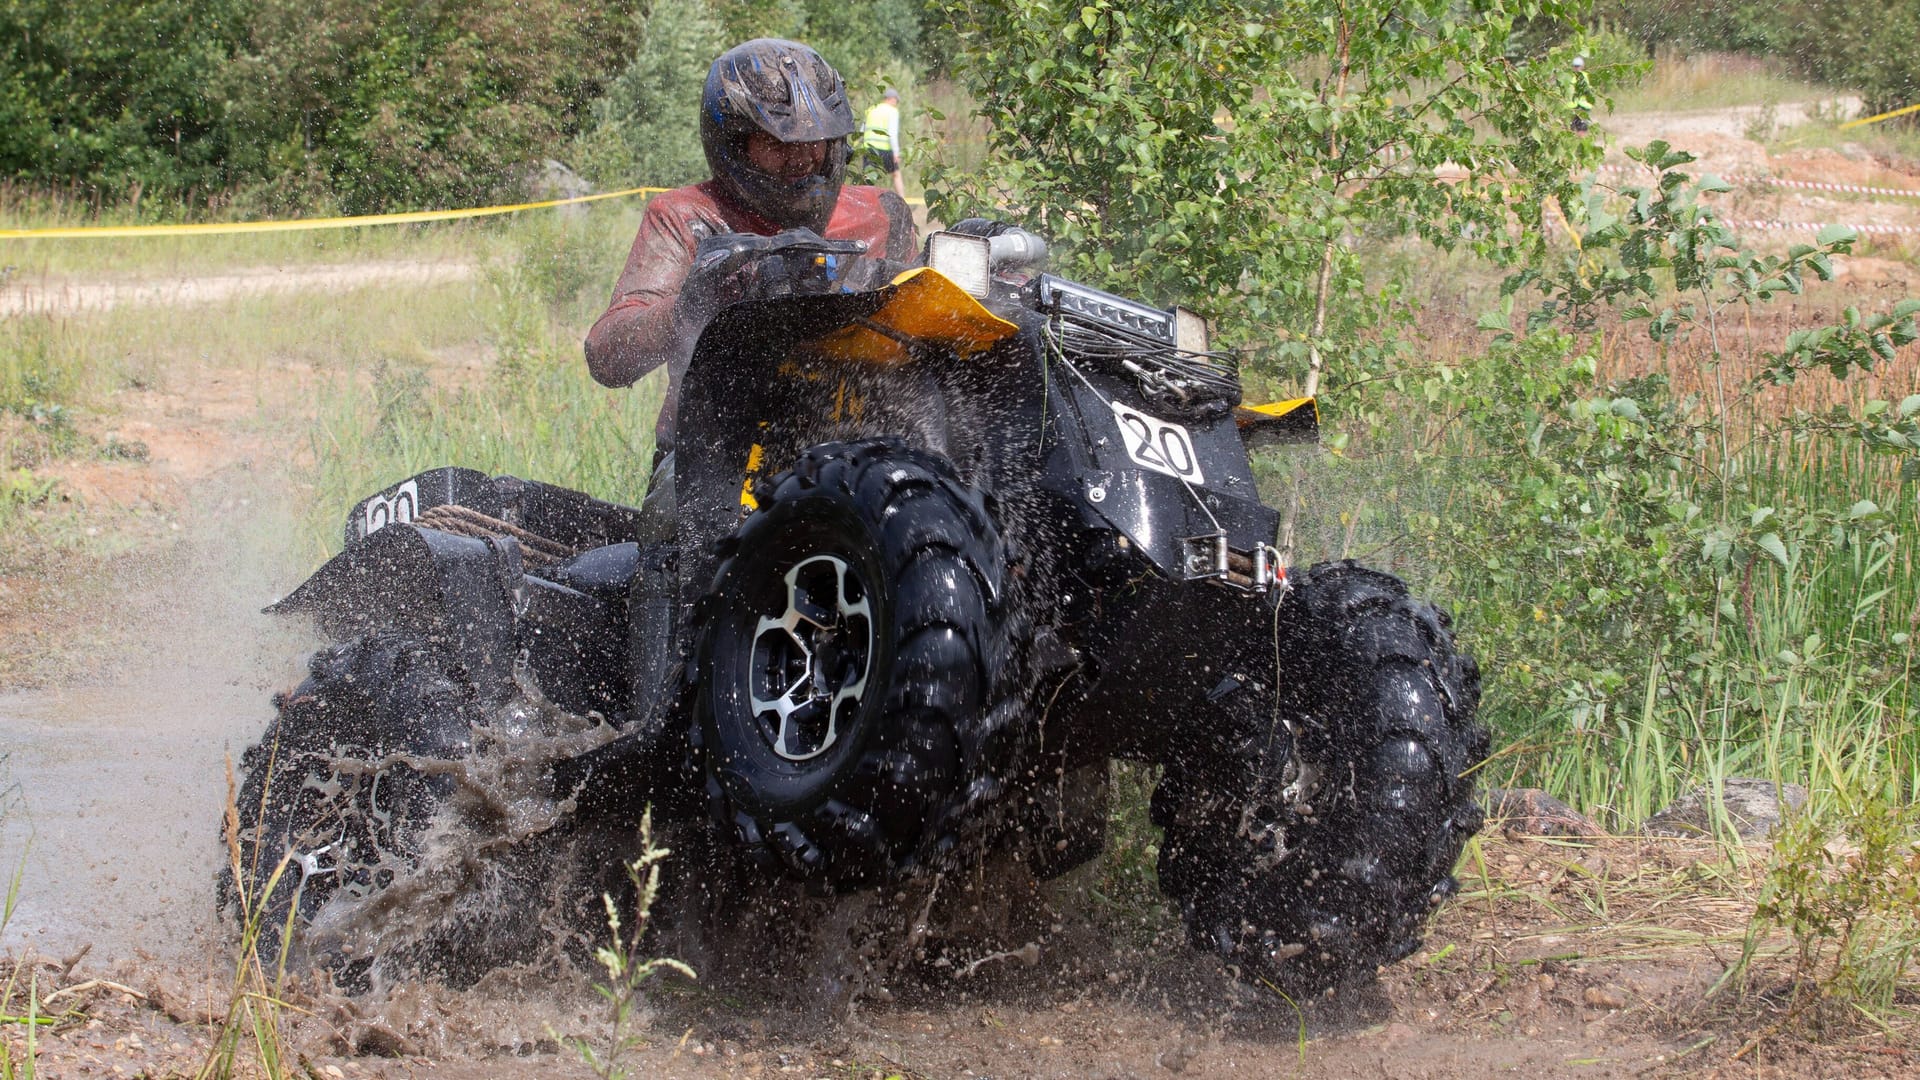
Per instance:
(1559,961)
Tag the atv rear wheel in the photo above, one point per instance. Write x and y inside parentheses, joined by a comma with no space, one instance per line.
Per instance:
(1328,867)
(857,668)
(327,787)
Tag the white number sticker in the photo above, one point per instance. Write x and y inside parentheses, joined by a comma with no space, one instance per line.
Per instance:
(1158,445)
(389,508)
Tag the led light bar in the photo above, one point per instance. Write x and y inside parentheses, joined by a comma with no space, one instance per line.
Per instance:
(1074,300)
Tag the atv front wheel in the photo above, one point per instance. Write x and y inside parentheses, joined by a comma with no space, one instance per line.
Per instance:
(856,662)
(331,800)
(1327,864)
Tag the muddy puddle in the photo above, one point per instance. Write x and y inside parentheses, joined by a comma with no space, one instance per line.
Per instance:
(116,794)
(115,782)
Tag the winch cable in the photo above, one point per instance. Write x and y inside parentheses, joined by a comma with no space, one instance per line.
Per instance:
(1215,372)
(1060,354)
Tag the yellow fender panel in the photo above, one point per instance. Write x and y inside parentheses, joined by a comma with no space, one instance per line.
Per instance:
(1291,421)
(926,306)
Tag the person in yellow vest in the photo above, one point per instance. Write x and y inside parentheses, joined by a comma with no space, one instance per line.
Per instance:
(881,138)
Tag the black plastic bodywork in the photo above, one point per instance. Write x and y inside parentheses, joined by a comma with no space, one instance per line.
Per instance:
(565,623)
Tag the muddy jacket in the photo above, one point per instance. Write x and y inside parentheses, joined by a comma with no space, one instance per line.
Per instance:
(638,331)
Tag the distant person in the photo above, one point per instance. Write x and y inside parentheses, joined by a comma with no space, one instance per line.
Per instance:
(774,122)
(1581,96)
(881,139)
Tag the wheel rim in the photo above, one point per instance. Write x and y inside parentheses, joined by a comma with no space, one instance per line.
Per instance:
(809,665)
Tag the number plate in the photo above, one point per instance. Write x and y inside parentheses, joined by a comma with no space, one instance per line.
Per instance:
(402,504)
(1158,445)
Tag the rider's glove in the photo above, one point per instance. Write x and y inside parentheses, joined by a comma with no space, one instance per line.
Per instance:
(731,267)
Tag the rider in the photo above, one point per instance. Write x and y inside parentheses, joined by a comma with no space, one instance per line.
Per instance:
(774,121)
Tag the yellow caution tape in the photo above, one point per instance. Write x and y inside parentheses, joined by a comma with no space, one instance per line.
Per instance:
(105,232)
(1883,116)
(91,232)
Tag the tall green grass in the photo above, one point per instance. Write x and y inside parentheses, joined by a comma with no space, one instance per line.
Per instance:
(1711,80)
(1807,673)
(530,410)
(542,419)
(354,389)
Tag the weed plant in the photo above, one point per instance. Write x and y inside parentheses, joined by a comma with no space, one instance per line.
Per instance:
(1848,894)
(255,999)
(28,1017)
(628,970)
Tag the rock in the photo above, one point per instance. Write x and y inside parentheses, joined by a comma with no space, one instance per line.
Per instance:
(1605,997)
(1532,812)
(1753,808)
(550,179)
(379,1040)
(547,179)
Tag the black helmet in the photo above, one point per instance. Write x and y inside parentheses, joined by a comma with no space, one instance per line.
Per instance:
(785,89)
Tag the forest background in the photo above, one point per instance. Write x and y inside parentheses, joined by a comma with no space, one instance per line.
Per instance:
(187,106)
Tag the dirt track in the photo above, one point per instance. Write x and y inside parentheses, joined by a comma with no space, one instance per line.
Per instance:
(1560,960)
(27,296)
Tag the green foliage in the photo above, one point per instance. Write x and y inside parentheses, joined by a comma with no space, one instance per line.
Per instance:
(304,107)
(1230,161)
(1848,43)
(115,95)
(1609,48)
(627,971)
(1844,43)
(294,105)
(1694,25)
(646,128)
(428,103)
(1851,903)
(1672,585)
(857,39)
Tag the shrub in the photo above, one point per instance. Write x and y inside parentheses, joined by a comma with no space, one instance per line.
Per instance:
(645,129)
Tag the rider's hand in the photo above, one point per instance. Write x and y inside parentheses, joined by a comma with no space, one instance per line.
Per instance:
(727,268)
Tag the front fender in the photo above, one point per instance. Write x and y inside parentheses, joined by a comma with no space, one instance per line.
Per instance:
(770,378)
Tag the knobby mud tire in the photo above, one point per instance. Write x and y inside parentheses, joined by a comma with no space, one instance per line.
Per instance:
(1347,842)
(326,787)
(932,744)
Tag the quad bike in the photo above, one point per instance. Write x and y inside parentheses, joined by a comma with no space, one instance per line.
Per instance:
(943,550)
